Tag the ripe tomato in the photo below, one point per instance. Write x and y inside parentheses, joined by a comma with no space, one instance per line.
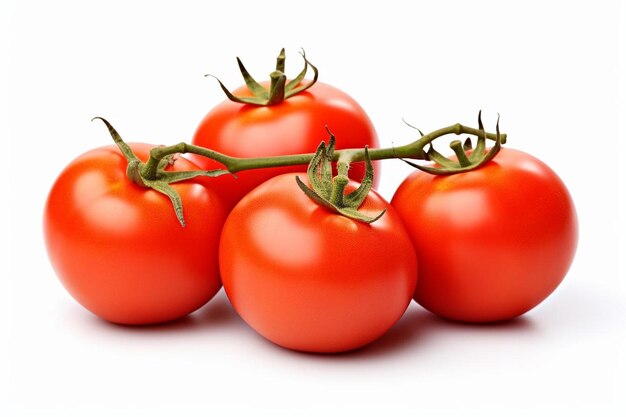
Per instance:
(297,125)
(491,243)
(311,280)
(119,249)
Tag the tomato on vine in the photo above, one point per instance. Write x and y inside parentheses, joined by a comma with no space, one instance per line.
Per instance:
(279,117)
(310,272)
(120,249)
(493,242)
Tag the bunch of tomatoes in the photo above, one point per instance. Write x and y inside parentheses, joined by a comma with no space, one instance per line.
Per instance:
(479,246)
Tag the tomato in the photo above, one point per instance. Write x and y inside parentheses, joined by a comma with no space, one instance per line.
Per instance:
(492,243)
(311,280)
(296,125)
(119,249)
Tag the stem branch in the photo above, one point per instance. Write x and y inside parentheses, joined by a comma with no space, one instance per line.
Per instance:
(326,191)
(413,150)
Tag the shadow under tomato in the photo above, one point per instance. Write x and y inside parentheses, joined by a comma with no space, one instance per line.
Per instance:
(216,313)
(416,330)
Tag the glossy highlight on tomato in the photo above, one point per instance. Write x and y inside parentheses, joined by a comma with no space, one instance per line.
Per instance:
(294,126)
(311,280)
(491,243)
(119,249)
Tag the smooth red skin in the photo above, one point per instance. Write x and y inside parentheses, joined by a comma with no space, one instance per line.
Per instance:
(492,243)
(119,249)
(295,126)
(311,280)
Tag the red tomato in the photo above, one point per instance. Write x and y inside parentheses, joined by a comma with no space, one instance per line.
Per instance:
(491,243)
(297,125)
(311,280)
(119,249)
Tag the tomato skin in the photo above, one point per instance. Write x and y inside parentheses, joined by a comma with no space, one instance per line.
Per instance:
(491,243)
(311,280)
(295,126)
(119,249)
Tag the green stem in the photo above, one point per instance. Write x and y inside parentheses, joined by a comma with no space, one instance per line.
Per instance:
(327,191)
(280,61)
(278,80)
(414,150)
(123,147)
(457,147)
(338,187)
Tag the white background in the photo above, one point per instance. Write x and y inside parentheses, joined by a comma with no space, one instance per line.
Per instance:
(554,71)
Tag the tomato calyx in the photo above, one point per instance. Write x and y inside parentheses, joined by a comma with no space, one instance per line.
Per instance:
(468,157)
(153,174)
(329,192)
(279,89)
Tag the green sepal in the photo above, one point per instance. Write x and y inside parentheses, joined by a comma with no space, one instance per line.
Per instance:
(256,88)
(480,142)
(320,182)
(328,191)
(291,85)
(291,90)
(171,177)
(356,197)
(166,189)
(279,89)
(164,178)
(476,159)
(438,158)
(349,212)
(356,215)
(123,146)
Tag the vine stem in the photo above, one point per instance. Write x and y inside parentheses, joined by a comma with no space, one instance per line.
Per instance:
(327,191)
(413,150)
